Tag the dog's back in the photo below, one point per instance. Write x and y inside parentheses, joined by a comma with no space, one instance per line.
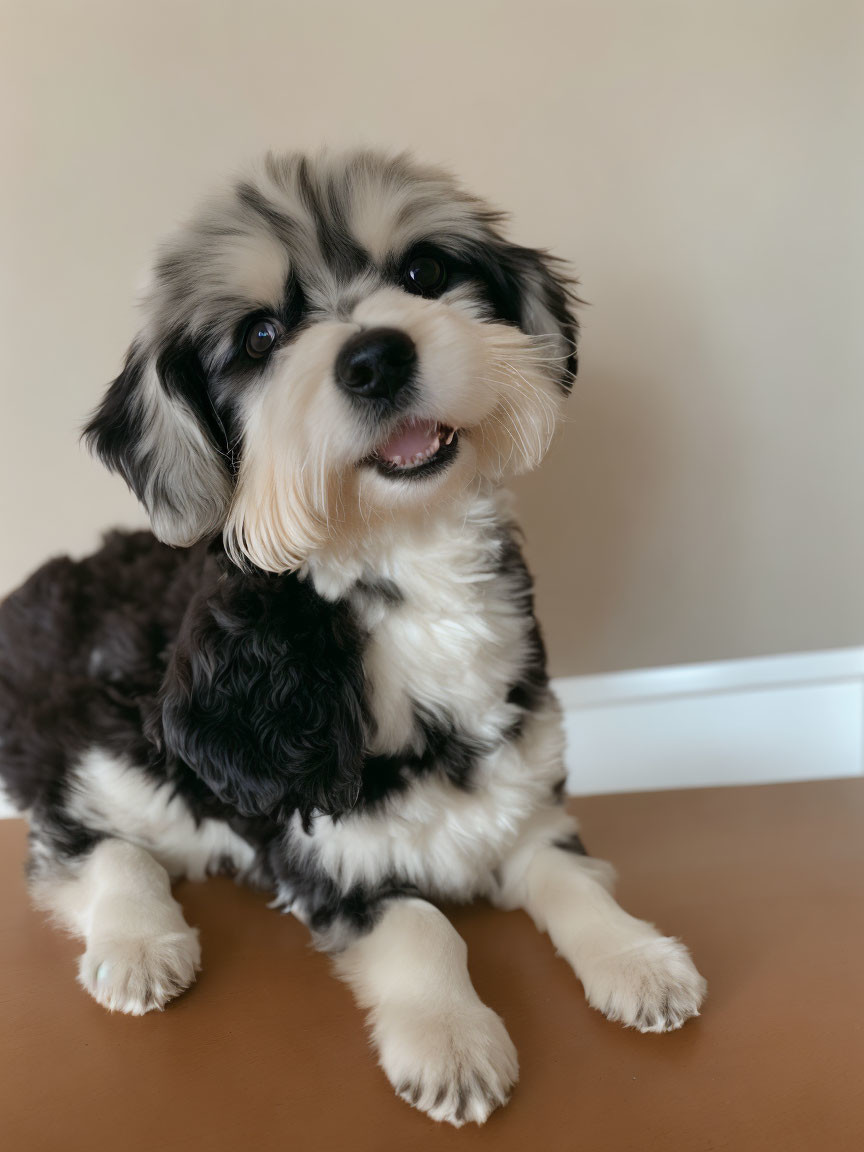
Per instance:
(81,651)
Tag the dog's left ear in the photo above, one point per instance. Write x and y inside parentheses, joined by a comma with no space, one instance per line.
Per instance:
(157,428)
(545,300)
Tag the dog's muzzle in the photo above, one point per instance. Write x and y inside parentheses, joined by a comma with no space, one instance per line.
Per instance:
(379,365)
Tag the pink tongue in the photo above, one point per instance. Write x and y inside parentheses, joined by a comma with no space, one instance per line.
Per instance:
(411,438)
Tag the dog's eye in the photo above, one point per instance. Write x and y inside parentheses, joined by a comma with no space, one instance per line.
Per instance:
(261,335)
(425,275)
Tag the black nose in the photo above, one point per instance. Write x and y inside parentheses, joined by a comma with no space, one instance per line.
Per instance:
(376,363)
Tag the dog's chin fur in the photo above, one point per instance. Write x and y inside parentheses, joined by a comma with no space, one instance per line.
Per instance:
(333,684)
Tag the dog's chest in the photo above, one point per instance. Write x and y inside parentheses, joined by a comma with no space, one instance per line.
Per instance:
(444,638)
(447,632)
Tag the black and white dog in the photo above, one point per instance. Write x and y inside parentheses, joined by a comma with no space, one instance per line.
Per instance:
(325,674)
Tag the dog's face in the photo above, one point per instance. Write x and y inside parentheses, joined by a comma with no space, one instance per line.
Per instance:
(332,343)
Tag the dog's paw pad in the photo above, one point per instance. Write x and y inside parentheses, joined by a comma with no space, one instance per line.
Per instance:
(456,1067)
(139,974)
(653,986)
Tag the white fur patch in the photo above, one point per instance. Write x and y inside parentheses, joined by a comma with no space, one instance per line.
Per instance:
(439,837)
(440,1047)
(108,795)
(451,647)
(138,974)
(140,952)
(7,806)
(629,971)
(457,640)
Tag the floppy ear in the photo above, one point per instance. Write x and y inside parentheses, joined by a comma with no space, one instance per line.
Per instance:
(157,428)
(546,301)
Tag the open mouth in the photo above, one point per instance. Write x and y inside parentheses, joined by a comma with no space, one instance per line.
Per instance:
(416,448)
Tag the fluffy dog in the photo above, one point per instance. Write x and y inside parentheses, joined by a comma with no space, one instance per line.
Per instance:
(323,672)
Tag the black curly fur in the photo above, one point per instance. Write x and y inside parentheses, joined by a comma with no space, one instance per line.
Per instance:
(263,698)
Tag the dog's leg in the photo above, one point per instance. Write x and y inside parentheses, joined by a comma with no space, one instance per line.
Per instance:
(140,952)
(630,972)
(441,1048)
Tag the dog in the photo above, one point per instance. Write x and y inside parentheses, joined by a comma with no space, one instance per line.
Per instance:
(322,670)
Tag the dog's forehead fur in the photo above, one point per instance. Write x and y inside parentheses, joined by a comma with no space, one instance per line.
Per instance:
(332,222)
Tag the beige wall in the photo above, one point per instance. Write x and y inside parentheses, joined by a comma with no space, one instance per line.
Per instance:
(701,164)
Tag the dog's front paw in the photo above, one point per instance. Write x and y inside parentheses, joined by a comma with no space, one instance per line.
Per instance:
(652,985)
(138,974)
(457,1066)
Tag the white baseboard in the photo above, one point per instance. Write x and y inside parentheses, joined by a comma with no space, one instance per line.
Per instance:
(796,717)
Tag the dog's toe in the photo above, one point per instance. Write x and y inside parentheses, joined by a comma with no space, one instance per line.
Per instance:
(139,974)
(457,1068)
(652,986)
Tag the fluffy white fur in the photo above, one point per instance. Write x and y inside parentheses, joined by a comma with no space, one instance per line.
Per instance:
(140,952)
(630,972)
(440,1047)
(118,799)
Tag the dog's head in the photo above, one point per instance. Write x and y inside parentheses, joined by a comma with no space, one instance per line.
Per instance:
(332,342)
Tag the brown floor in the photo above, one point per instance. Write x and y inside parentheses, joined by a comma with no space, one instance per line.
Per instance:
(267,1051)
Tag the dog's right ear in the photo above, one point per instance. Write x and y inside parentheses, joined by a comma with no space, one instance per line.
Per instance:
(153,428)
